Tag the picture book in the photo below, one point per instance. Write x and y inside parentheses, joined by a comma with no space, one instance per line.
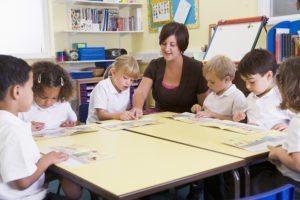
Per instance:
(221,124)
(118,125)
(78,154)
(62,131)
(258,143)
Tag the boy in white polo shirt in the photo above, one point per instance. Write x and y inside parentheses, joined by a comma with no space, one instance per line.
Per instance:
(21,167)
(110,99)
(225,98)
(257,69)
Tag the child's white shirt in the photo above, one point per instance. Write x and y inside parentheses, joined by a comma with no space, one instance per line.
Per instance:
(105,96)
(292,145)
(264,111)
(18,157)
(52,116)
(228,103)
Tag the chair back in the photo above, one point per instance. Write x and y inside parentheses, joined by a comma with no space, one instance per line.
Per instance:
(285,192)
(83,112)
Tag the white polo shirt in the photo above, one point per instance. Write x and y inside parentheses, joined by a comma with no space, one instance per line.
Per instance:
(292,145)
(52,116)
(264,111)
(18,157)
(228,103)
(105,96)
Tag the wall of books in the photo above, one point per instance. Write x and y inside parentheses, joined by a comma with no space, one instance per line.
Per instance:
(284,40)
(104,19)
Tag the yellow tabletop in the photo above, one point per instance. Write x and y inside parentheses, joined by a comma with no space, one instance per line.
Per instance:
(139,165)
(197,136)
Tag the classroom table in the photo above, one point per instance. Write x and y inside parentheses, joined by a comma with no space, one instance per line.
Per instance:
(139,165)
(198,136)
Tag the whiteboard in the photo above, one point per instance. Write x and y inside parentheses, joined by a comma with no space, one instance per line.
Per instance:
(233,40)
(24,28)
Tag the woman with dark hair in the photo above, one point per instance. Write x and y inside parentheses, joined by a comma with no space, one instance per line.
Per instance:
(176,80)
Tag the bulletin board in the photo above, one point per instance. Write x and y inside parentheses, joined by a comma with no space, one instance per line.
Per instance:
(161,12)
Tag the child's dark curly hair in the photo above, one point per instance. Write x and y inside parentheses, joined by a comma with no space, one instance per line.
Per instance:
(48,74)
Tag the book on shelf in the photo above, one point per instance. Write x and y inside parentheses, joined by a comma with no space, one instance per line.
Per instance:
(221,124)
(62,131)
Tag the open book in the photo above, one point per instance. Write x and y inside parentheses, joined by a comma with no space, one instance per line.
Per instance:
(62,131)
(221,124)
(118,125)
(258,143)
(78,154)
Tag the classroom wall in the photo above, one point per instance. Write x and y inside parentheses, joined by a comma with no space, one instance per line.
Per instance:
(210,12)
(147,43)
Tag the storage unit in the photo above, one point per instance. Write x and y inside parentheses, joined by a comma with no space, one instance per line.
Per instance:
(84,88)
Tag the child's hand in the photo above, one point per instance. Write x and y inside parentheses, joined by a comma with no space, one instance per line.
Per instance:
(68,124)
(239,116)
(273,154)
(127,115)
(37,126)
(280,127)
(205,113)
(138,113)
(53,158)
(196,108)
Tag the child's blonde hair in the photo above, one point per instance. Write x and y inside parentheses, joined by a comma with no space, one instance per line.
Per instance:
(127,65)
(221,66)
(288,81)
(48,74)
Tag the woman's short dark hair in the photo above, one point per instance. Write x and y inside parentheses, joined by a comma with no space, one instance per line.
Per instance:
(288,81)
(179,30)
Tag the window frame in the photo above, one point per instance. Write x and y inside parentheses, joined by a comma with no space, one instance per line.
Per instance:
(264,8)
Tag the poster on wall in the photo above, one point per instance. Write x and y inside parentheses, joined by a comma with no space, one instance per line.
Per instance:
(161,12)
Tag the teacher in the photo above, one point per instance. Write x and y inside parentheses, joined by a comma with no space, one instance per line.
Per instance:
(176,80)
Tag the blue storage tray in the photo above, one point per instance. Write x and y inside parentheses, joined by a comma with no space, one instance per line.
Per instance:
(92,57)
(91,53)
(80,75)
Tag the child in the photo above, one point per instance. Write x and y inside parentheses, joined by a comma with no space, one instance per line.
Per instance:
(257,68)
(52,90)
(225,99)
(287,157)
(110,99)
(22,169)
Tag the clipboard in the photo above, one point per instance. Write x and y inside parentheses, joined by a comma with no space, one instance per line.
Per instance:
(234,38)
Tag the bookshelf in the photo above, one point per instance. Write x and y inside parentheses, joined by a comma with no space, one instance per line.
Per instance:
(283,40)
(66,34)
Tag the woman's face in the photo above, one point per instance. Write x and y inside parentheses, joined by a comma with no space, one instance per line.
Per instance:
(169,48)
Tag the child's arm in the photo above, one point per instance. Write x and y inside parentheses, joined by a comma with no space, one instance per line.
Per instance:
(37,126)
(239,116)
(280,127)
(68,124)
(279,155)
(105,115)
(43,163)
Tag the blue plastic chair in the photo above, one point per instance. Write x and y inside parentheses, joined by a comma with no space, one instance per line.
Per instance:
(285,192)
(83,112)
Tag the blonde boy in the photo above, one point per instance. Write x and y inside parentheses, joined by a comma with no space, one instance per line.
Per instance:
(225,99)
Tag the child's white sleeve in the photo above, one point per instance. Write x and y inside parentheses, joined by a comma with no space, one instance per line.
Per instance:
(239,103)
(71,114)
(100,98)
(293,137)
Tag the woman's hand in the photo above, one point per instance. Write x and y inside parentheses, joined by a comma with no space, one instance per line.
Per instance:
(138,113)
(239,116)
(280,127)
(127,115)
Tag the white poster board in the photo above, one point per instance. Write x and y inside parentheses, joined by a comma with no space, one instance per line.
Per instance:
(234,39)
